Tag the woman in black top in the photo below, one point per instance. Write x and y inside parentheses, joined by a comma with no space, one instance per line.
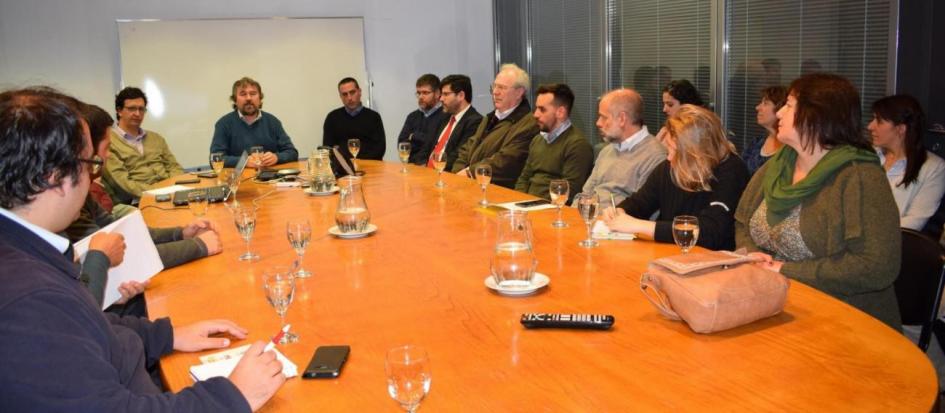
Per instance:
(702,176)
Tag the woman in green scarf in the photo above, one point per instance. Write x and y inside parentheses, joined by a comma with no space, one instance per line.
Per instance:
(820,211)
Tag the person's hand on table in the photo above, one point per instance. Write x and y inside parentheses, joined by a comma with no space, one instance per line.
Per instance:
(766,261)
(258,375)
(196,336)
(129,289)
(268,159)
(618,220)
(110,244)
(197,227)
(212,240)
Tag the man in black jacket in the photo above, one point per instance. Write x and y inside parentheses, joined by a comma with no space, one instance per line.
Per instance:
(354,121)
(60,352)
(457,126)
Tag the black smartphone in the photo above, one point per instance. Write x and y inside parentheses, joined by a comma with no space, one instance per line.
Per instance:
(208,174)
(327,362)
(187,181)
(162,198)
(526,204)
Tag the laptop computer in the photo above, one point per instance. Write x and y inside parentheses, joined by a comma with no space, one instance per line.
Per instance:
(217,193)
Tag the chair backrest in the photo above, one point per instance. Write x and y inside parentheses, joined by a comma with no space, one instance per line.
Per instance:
(919,285)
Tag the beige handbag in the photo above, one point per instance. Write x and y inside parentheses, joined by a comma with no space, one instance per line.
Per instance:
(713,291)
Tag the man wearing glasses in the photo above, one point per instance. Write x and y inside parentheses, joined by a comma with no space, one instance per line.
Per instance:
(60,352)
(138,157)
(502,139)
(422,124)
(354,121)
(458,125)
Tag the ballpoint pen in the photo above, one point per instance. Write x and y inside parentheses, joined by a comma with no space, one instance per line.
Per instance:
(275,340)
(612,203)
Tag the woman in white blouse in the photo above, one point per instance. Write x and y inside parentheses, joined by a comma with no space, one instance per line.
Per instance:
(916,176)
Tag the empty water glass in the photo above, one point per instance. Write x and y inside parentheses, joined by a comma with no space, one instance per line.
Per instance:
(408,375)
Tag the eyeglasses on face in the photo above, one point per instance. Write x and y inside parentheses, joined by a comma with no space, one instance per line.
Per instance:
(133,109)
(96,163)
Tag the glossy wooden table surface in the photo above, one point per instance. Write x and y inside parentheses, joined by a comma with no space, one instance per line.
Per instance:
(419,280)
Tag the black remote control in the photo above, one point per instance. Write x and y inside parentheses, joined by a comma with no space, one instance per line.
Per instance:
(550,320)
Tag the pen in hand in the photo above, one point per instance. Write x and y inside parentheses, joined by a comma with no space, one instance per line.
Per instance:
(275,340)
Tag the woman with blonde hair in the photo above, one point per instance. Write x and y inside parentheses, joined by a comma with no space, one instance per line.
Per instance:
(820,211)
(702,176)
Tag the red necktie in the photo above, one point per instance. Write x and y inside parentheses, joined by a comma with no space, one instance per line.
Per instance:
(444,137)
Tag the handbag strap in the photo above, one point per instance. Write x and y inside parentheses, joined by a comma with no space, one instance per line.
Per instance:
(656,297)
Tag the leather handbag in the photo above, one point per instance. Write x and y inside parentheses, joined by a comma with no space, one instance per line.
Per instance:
(713,291)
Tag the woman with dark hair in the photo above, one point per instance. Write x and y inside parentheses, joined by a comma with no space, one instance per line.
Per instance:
(820,210)
(702,176)
(917,177)
(675,94)
(762,148)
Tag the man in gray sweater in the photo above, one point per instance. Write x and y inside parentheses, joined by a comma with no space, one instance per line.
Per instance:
(623,165)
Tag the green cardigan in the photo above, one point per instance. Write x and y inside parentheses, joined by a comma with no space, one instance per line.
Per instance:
(852,227)
(569,157)
(128,173)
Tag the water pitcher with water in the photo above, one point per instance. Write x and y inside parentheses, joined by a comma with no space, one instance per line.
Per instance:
(352,215)
(513,263)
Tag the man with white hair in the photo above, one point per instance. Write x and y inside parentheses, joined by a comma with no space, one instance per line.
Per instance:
(502,139)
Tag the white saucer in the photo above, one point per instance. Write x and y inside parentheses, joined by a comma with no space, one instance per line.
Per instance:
(371,228)
(309,191)
(538,281)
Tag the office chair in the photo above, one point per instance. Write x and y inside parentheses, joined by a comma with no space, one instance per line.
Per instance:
(919,284)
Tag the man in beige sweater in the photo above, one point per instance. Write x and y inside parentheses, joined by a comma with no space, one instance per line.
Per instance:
(138,157)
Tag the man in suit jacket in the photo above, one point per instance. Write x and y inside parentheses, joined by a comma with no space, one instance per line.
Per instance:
(60,352)
(502,138)
(460,123)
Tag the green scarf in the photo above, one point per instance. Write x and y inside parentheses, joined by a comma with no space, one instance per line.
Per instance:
(781,196)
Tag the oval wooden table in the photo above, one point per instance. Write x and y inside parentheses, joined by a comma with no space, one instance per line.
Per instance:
(419,279)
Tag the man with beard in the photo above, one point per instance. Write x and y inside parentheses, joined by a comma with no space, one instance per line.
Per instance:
(421,125)
(138,158)
(623,165)
(249,126)
(502,139)
(560,151)
(354,121)
(463,119)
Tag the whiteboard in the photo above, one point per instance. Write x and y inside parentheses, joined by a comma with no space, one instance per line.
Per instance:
(187,69)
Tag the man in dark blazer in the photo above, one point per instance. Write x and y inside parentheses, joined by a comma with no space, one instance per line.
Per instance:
(60,352)
(460,123)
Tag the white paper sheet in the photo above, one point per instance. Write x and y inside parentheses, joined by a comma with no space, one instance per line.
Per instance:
(141,260)
(602,231)
(222,364)
(167,190)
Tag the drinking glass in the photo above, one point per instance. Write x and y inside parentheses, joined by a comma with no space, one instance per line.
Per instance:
(408,375)
(685,232)
(513,261)
(299,232)
(354,146)
(559,189)
(256,153)
(483,176)
(403,150)
(439,163)
(197,202)
(232,181)
(245,219)
(216,162)
(589,206)
(279,285)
